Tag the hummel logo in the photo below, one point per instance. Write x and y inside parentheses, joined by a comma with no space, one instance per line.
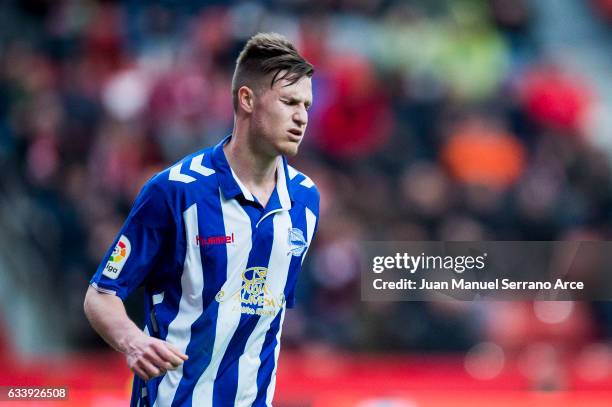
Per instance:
(213,240)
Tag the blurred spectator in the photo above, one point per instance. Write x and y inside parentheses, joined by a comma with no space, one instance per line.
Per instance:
(481,153)
(554,99)
(356,120)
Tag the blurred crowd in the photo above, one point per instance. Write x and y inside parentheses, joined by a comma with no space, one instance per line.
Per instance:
(435,120)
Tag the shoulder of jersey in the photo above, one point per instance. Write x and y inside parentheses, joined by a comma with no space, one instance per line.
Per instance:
(303,187)
(194,169)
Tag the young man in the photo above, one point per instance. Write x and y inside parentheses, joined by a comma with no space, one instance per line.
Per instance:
(217,240)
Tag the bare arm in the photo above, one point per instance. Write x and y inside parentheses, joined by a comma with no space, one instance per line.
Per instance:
(146,356)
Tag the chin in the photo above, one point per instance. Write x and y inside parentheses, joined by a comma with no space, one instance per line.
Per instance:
(288,149)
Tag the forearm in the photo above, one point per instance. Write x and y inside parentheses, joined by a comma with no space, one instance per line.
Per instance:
(106,314)
(148,357)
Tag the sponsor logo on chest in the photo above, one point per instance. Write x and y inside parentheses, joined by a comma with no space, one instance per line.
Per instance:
(254,296)
(214,240)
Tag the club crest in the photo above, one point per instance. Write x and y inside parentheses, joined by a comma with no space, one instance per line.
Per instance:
(297,243)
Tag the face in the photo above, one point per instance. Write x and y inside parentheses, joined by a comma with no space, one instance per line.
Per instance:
(280,115)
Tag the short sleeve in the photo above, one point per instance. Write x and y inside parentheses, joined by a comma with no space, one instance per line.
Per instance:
(144,235)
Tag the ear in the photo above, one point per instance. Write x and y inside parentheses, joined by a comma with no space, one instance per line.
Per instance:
(246,99)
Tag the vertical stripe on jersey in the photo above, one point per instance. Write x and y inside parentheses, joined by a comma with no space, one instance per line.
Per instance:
(266,376)
(226,382)
(311,221)
(278,268)
(271,348)
(278,326)
(179,330)
(204,329)
(237,221)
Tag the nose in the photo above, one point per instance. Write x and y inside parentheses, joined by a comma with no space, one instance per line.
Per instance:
(300,117)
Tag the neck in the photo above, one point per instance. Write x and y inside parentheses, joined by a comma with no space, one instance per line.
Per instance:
(250,165)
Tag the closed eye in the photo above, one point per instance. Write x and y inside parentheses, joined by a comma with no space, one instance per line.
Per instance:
(294,102)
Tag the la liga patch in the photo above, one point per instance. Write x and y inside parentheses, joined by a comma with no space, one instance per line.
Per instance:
(118,258)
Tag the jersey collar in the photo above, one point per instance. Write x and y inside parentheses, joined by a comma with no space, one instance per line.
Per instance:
(231,187)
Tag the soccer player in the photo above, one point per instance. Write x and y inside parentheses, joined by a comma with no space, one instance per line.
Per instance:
(217,240)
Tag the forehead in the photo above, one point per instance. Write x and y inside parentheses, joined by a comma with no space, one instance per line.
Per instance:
(302,89)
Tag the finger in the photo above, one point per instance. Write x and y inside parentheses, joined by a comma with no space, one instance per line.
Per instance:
(165,365)
(152,356)
(140,373)
(168,356)
(150,369)
(176,351)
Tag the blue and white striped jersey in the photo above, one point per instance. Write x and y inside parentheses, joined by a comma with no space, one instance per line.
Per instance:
(219,271)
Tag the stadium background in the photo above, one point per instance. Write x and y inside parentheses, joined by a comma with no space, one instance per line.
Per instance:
(432,120)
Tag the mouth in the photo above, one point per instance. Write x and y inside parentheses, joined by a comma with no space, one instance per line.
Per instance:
(296,134)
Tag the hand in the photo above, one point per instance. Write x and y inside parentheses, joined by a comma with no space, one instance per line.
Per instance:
(151,357)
